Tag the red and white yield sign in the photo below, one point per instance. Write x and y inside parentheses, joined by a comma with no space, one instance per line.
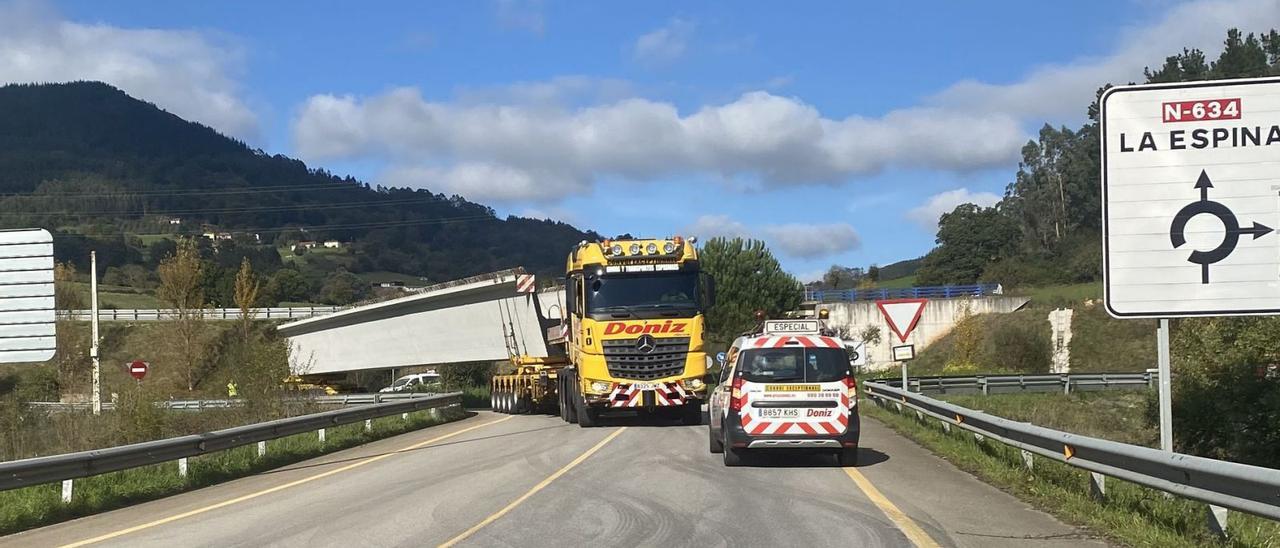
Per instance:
(138,369)
(902,315)
(524,283)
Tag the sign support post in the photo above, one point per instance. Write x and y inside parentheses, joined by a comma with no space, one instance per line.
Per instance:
(93,347)
(1166,386)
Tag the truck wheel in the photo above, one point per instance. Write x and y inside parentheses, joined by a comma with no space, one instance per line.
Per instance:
(570,409)
(587,417)
(717,444)
(524,405)
(848,457)
(691,414)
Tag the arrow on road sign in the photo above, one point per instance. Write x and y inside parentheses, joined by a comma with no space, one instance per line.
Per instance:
(1177,230)
(902,315)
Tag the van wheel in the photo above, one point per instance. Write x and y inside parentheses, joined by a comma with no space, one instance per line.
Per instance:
(848,457)
(717,444)
(732,457)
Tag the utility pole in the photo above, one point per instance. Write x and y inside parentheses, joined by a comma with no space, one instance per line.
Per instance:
(93,347)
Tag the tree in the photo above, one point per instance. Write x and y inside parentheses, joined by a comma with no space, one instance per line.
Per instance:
(969,238)
(246,296)
(180,286)
(748,278)
(287,284)
(343,287)
(873,273)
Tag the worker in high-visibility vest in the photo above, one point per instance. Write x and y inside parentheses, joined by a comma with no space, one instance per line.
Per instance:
(231,389)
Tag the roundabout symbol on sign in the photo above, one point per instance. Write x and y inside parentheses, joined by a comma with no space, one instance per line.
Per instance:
(1177,231)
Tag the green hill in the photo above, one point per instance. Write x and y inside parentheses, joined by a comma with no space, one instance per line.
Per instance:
(108,172)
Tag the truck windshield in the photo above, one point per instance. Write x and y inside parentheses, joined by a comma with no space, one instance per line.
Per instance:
(647,294)
(794,365)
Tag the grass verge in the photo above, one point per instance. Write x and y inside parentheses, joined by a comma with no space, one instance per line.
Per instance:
(1110,415)
(40,505)
(1130,514)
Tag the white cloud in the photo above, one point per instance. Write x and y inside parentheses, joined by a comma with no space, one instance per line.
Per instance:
(812,241)
(184,72)
(665,44)
(926,215)
(1065,89)
(523,15)
(548,152)
(797,240)
(712,226)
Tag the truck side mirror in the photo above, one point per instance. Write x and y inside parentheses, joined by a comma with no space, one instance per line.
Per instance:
(708,290)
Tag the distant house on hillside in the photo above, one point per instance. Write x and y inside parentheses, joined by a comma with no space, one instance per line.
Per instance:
(306,244)
(174,221)
(332,244)
(218,235)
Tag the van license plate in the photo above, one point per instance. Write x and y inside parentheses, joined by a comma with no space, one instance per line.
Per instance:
(779,413)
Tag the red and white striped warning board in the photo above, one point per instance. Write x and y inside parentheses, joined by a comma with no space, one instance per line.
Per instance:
(665,394)
(807,341)
(524,283)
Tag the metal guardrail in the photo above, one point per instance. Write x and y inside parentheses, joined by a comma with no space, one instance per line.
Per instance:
(39,470)
(933,292)
(159,314)
(1251,489)
(1005,384)
(197,405)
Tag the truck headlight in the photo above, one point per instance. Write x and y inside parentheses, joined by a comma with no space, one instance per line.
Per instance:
(693,384)
(600,386)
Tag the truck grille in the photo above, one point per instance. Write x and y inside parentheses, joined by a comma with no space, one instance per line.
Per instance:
(627,360)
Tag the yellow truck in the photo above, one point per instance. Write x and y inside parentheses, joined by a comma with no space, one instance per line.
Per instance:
(630,337)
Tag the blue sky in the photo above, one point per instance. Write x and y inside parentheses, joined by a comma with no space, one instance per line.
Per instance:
(836,133)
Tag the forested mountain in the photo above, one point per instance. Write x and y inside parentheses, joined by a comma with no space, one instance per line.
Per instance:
(1047,229)
(108,171)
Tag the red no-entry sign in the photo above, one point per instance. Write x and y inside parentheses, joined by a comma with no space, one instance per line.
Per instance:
(138,369)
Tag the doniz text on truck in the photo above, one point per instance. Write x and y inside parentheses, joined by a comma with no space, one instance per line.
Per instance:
(630,339)
(788,385)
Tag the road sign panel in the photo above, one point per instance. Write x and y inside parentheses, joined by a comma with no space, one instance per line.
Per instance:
(902,315)
(1191,197)
(138,369)
(27,327)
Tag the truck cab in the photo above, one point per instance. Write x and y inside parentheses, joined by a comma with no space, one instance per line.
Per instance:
(788,386)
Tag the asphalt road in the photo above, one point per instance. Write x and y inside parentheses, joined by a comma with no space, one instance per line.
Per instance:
(495,480)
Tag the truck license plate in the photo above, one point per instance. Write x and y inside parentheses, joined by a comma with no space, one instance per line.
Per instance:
(779,413)
(646,386)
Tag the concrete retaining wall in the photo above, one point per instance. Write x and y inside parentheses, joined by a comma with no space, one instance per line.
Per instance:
(938,318)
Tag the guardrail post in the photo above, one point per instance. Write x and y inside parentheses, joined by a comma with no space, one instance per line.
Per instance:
(982,382)
(1028,459)
(1217,520)
(1066,384)
(979,437)
(262,449)
(1097,485)
(404,416)
(368,425)
(182,467)
(320,435)
(946,427)
(66,491)
(919,416)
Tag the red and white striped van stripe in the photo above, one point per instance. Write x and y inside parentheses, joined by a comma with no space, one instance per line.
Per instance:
(807,341)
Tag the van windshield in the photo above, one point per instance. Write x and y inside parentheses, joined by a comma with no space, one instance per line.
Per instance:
(795,364)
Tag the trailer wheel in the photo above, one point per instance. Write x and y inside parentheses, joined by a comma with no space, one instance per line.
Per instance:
(504,405)
(493,399)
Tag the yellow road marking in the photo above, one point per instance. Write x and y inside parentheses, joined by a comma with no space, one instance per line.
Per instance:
(295,483)
(914,533)
(463,536)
